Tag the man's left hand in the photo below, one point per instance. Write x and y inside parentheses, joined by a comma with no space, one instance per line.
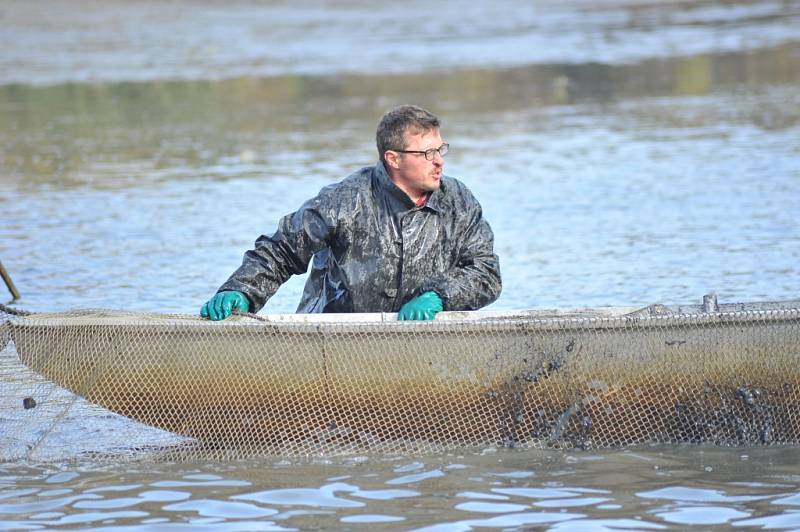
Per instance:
(423,307)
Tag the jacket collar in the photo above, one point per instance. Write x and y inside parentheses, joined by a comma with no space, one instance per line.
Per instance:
(434,201)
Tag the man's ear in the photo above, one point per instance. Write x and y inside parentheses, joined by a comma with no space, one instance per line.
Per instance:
(392,158)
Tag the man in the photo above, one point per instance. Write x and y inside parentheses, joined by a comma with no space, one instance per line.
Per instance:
(397,236)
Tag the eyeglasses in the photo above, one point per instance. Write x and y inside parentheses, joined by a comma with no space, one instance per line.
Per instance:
(431,153)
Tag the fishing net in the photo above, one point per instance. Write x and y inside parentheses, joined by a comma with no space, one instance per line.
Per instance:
(126,385)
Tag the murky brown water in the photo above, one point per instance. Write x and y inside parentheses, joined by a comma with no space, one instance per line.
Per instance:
(625,153)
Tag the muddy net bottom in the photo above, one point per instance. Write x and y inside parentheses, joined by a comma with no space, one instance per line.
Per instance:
(123,384)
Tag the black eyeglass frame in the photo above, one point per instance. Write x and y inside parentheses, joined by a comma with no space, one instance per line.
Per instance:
(429,154)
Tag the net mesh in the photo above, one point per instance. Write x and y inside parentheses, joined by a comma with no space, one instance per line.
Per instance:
(123,384)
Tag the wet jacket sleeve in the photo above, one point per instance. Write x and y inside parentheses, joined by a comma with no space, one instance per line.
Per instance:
(474,281)
(274,259)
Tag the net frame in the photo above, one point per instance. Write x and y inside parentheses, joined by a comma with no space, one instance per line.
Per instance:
(302,385)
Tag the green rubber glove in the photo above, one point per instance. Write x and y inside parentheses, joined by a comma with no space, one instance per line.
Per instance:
(423,307)
(223,304)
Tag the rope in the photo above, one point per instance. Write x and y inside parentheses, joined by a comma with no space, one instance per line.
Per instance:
(250,315)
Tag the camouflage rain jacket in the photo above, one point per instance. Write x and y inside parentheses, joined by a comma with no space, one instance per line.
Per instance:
(372,249)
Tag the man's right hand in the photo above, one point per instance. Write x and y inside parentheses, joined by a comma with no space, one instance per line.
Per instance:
(223,304)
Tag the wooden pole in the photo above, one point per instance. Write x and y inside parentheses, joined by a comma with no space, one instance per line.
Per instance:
(9,282)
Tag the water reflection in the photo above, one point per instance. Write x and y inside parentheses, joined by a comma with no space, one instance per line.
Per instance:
(517,488)
(109,134)
(224,509)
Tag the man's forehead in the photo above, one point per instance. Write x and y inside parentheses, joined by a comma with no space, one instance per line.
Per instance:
(422,136)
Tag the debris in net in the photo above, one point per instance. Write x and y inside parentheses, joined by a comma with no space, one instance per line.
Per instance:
(561,423)
(28,403)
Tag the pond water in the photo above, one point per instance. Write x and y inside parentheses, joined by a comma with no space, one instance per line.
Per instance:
(625,153)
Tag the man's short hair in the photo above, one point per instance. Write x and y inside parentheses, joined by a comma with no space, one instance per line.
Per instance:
(395,123)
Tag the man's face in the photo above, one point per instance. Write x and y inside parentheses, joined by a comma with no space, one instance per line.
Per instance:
(412,172)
